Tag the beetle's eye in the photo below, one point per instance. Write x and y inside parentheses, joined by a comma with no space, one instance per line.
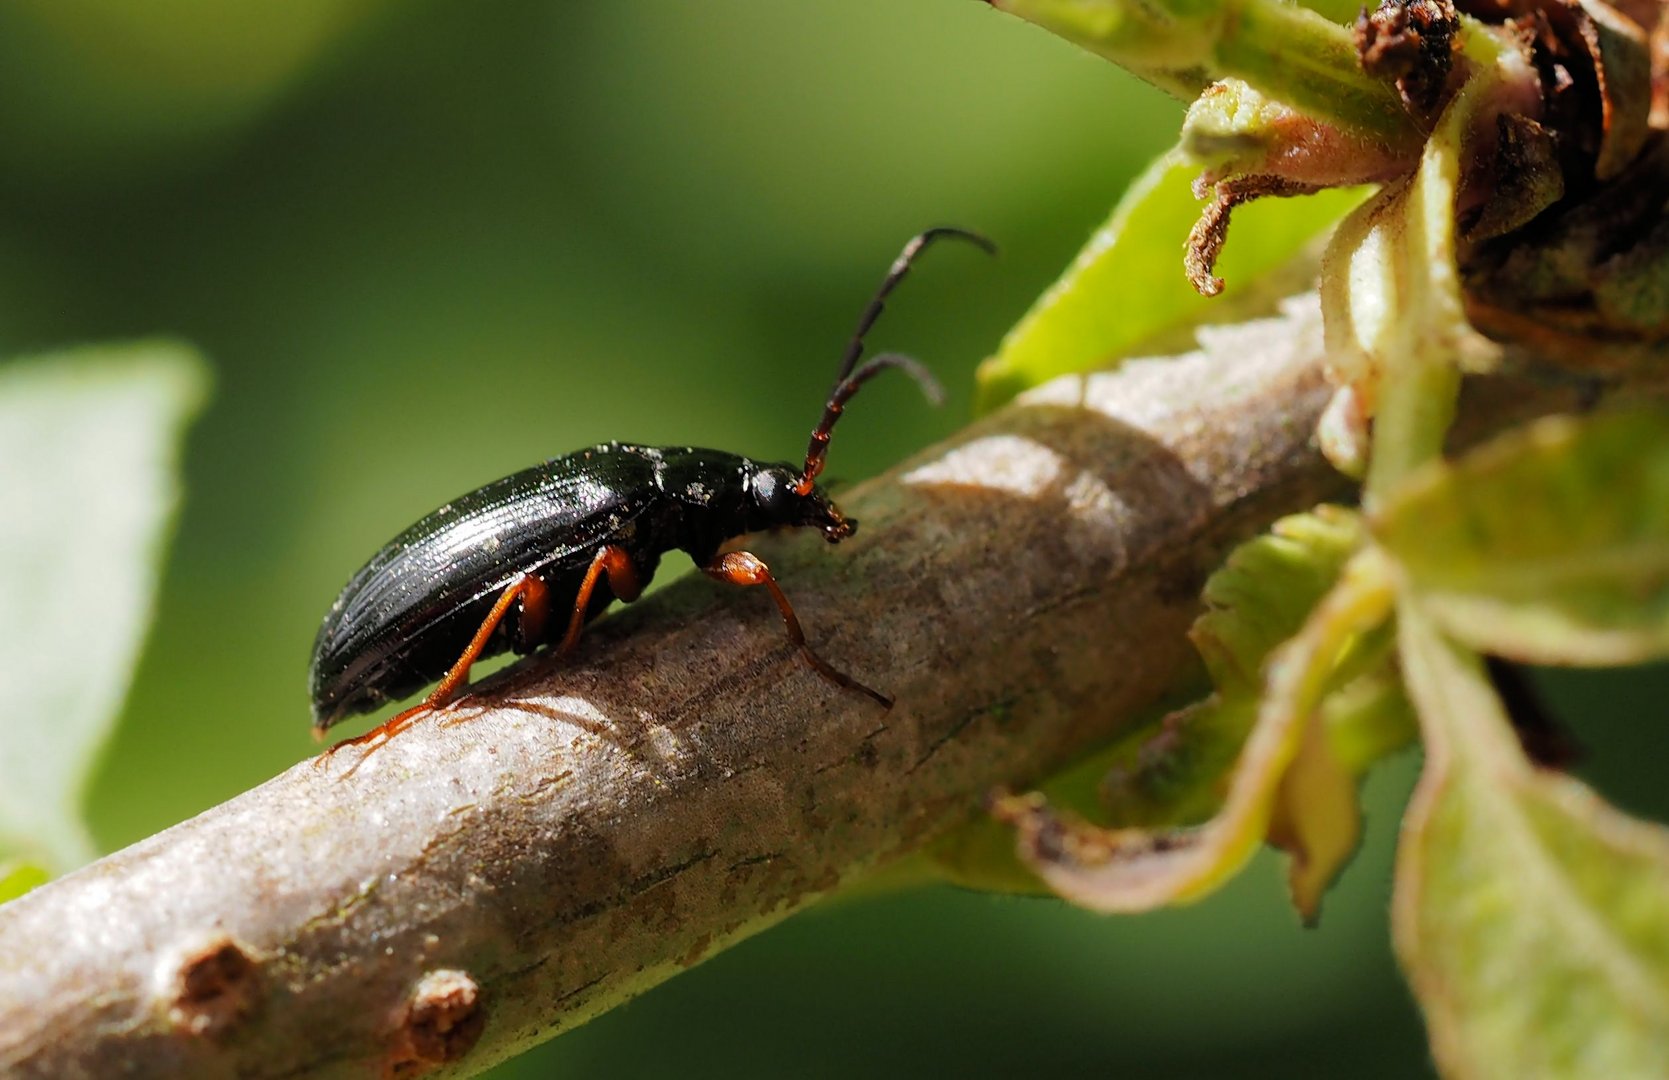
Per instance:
(773,491)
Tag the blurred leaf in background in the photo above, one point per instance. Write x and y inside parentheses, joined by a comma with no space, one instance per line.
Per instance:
(445,241)
(93,90)
(90,445)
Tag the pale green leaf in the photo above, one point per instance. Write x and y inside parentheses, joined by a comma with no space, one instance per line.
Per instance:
(1369,717)
(1178,772)
(1265,590)
(1139,869)
(1127,286)
(1532,918)
(1256,602)
(1306,701)
(981,855)
(89,446)
(1549,544)
(18,876)
(1315,819)
(1175,769)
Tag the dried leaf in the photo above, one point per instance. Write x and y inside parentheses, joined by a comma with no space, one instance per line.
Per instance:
(1622,58)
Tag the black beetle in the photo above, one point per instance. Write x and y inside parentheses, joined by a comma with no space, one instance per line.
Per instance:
(560,541)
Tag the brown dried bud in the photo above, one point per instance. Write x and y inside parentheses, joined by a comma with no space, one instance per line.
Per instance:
(1412,43)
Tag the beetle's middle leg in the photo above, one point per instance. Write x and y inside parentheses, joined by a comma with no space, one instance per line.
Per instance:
(535,611)
(614,562)
(746,568)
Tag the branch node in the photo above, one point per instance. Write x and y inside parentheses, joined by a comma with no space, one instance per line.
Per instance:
(213,987)
(442,1021)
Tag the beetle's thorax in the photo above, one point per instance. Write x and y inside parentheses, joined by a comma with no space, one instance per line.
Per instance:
(717,496)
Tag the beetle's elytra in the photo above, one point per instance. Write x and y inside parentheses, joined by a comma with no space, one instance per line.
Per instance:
(530,559)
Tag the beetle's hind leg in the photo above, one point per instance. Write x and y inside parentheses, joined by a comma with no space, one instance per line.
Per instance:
(611,561)
(535,612)
(746,568)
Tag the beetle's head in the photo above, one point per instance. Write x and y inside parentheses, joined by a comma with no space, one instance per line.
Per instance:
(777,502)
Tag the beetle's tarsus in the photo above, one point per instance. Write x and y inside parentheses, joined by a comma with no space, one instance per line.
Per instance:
(382,733)
(461,717)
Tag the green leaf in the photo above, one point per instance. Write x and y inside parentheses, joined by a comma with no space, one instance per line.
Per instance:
(1178,773)
(90,446)
(981,855)
(1281,764)
(1549,544)
(1532,918)
(1369,717)
(1127,285)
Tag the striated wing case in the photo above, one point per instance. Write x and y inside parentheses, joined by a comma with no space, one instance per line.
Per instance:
(405,617)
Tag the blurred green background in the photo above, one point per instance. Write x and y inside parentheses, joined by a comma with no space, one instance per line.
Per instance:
(427,244)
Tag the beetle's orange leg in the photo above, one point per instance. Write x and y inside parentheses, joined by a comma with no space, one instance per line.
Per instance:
(622,579)
(745,568)
(535,598)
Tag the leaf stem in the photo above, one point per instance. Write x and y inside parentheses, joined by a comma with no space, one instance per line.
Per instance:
(1416,406)
(1287,52)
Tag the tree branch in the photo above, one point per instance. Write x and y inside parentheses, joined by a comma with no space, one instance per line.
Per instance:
(595,826)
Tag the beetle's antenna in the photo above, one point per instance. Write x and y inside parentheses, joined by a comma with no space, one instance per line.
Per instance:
(847,382)
(900,267)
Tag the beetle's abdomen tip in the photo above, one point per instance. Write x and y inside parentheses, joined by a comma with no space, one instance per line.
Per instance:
(326,715)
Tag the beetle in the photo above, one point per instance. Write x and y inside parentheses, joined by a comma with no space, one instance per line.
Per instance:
(530,559)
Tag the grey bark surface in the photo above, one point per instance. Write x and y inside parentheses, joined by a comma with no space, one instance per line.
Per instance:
(586,829)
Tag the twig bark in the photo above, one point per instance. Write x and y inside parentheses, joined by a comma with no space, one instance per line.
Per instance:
(590,828)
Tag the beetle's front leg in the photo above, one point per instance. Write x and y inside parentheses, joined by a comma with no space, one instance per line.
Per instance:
(745,568)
